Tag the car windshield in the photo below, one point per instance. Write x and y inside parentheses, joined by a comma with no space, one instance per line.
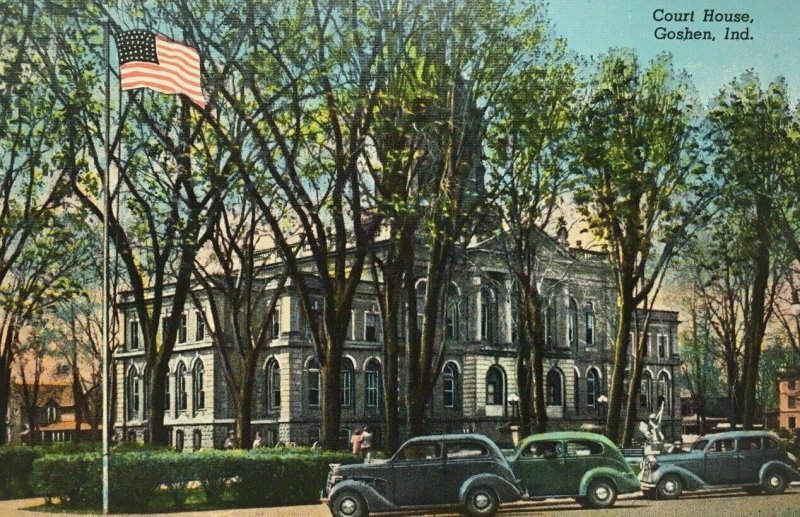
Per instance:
(699,445)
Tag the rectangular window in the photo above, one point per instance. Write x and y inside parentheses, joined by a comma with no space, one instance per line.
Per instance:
(276,323)
(313,387)
(792,402)
(792,422)
(590,328)
(450,321)
(370,327)
(133,338)
(200,329)
(167,394)
(662,346)
(197,439)
(791,385)
(346,385)
(183,329)
(351,333)
(371,381)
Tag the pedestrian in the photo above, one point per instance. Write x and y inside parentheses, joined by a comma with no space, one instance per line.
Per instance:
(366,444)
(259,441)
(230,441)
(355,441)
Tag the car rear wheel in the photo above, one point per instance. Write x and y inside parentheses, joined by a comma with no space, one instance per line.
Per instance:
(774,482)
(349,504)
(670,487)
(601,493)
(481,502)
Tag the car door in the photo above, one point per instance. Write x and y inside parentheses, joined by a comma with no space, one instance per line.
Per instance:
(418,474)
(751,457)
(540,466)
(462,461)
(581,456)
(722,462)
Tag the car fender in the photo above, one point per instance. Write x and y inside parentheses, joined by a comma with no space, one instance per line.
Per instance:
(791,472)
(505,490)
(623,484)
(376,502)
(691,480)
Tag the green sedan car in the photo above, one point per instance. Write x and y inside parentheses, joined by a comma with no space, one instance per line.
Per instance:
(584,466)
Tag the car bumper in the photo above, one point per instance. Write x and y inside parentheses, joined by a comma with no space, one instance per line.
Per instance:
(646,486)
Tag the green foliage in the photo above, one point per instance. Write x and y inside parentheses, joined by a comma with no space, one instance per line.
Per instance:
(16,465)
(70,478)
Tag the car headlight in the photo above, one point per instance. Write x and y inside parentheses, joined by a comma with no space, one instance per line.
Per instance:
(335,479)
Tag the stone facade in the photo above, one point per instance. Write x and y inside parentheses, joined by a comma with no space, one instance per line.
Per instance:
(478,382)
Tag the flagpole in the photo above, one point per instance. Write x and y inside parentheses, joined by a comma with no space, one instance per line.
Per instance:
(106,214)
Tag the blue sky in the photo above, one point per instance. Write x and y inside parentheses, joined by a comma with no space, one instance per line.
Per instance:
(594,26)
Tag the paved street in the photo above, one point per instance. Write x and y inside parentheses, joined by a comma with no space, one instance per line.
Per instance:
(724,504)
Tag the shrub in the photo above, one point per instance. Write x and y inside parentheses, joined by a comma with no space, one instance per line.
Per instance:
(71,478)
(16,465)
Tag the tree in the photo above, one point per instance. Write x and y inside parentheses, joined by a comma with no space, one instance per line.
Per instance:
(639,161)
(531,145)
(751,141)
(30,366)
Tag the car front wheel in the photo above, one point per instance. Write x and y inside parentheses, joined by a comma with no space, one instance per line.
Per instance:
(670,487)
(601,493)
(774,482)
(349,504)
(481,502)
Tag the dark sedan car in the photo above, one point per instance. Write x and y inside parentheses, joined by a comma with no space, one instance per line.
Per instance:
(465,469)
(753,460)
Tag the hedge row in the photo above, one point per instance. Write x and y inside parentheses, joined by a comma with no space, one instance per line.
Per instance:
(16,464)
(248,478)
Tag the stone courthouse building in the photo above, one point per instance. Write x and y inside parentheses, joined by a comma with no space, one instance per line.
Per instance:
(476,390)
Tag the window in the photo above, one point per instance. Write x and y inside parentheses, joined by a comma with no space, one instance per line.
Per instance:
(451,320)
(51,413)
(662,346)
(449,385)
(699,445)
(179,440)
(183,329)
(372,384)
(180,387)
(198,386)
(572,324)
(583,448)
(488,314)
(576,390)
(770,443)
(370,327)
(663,391)
(791,385)
(541,448)
(645,391)
(420,451)
(134,393)
(494,386)
(344,438)
(792,402)
(167,394)
(553,384)
(724,445)
(591,387)
(458,450)
(313,382)
(200,328)
(792,422)
(275,327)
(273,385)
(313,435)
(133,338)
(550,324)
(197,439)
(589,324)
(346,383)
(750,443)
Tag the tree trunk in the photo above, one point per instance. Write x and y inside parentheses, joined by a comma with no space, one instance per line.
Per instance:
(625,308)
(536,330)
(5,389)
(331,373)
(244,402)
(78,399)
(631,405)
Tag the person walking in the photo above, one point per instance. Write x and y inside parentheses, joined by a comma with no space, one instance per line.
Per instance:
(355,441)
(230,441)
(366,444)
(259,441)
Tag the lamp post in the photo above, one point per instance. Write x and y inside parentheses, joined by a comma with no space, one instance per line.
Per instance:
(513,399)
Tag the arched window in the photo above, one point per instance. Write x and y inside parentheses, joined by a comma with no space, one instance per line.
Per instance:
(494,386)
(197,439)
(572,324)
(134,393)
(664,392)
(372,384)
(273,387)
(451,314)
(646,391)
(488,314)
(180,387)
(346,383)
(312,375)
(551,323)
(589,324)
(198,385)
(554,392)
(591,387)
(450,385)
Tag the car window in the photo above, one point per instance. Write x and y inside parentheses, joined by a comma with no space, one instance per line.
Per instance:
(771,443)
(750,443)
(699,445)
(540,448)
(420,451)
(583,448)
(724,445)
(466,450)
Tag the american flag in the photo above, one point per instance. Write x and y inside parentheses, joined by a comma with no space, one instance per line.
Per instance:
(149,60)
